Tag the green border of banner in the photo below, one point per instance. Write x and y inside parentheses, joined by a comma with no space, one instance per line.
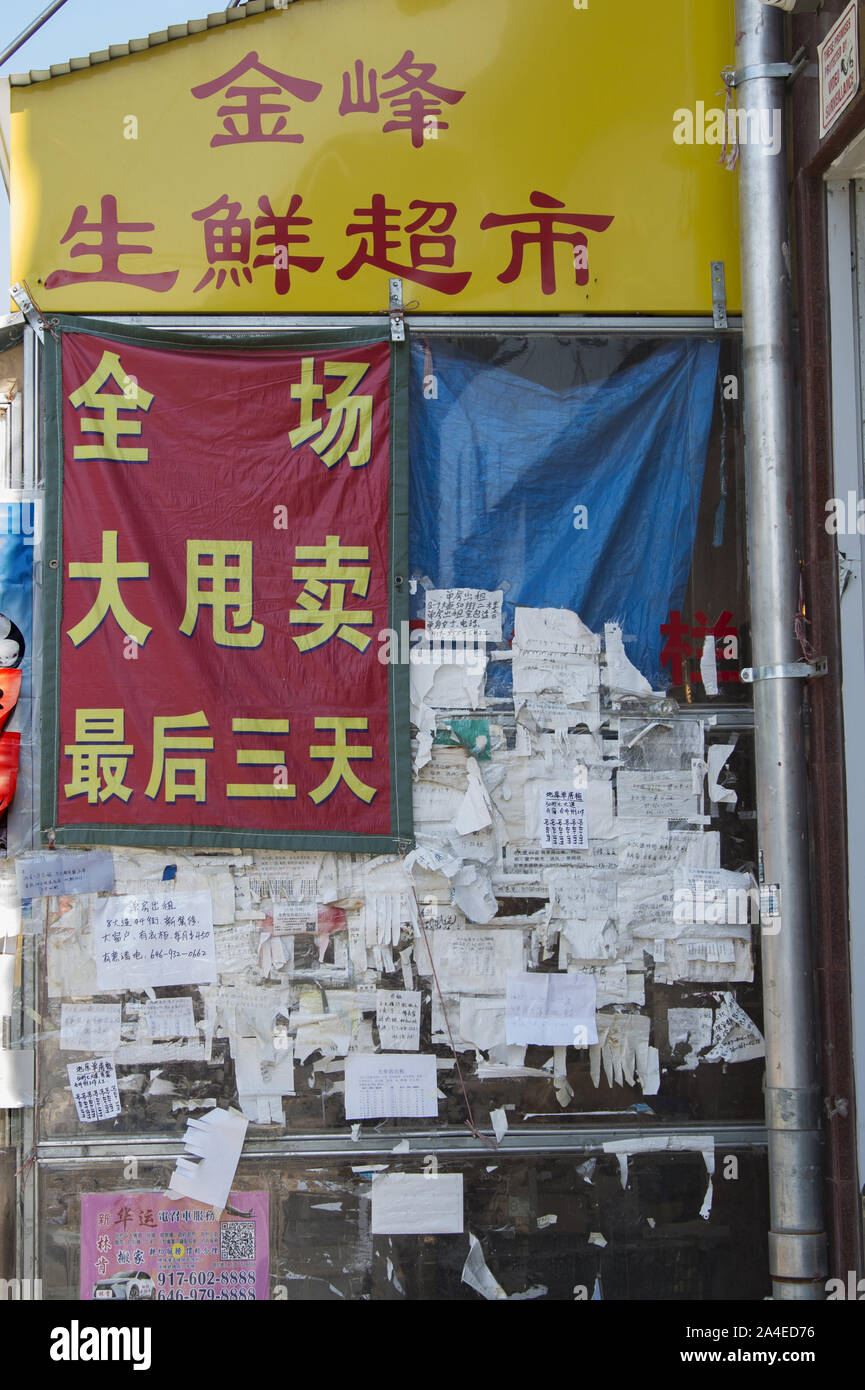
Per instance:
(401,831)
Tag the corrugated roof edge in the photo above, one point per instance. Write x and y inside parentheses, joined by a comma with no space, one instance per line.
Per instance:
(123,50)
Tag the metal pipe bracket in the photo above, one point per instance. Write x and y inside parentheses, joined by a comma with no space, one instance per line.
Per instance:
(791,670)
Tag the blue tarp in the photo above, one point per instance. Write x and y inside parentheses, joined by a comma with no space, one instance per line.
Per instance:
(499,462)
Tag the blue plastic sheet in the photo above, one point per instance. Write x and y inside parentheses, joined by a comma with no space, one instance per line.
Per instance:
(500,462)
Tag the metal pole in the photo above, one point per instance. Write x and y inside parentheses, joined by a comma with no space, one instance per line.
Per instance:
(797,1255)
(30,30)
(8,1165)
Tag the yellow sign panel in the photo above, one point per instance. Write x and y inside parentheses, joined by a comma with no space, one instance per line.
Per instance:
(497,156)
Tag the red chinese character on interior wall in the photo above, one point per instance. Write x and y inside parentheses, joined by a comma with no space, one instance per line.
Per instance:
(676,650)
(680,654)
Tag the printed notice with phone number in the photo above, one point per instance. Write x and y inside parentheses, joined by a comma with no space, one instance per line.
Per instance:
(147,1245)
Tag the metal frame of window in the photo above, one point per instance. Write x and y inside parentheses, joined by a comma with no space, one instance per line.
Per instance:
(846,256)
(589,1138)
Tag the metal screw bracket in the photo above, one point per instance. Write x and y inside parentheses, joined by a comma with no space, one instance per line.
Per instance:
(29,309)
(395,306)
(719,295)
(802,670)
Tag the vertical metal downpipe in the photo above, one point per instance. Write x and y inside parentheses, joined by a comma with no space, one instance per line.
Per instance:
(797,1253)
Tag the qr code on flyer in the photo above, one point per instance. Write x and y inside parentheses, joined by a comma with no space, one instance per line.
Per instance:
(237,1240)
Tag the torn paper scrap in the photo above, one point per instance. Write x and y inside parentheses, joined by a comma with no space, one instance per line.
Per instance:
(164,939)
(735,1037)
(215,1141)
(482,1021)
(716,757)
(620,675)
(477,1275)
(623,1047)
(68,872)
(470,961)
(669,794)
(89,1027)
(709,1160)
(10,907)
(499,1121)
(561,1085)
(595,1238)
(475,812)
(397,1016)
(169,1017)
(552,630)
(262,1080)
(417,1204)
(703,1144)
(693,1027)
(379,1085)
(16,1077)
(552,1009)
(94,1089)
(473,894)
(709,665)
(7,983)
(714,897)
(455,680)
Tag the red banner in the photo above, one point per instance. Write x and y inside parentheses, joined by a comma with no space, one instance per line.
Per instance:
(225,524)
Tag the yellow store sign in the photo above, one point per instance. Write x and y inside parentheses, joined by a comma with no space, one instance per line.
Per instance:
(495,155)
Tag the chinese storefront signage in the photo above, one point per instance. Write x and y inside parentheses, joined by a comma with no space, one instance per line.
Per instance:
(226,566)
(295,160)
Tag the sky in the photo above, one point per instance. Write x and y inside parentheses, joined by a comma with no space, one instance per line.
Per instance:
(80,27)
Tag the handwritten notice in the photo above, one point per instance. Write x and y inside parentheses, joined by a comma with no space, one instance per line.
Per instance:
(89,1027)
(460,613)
(414,1204)
(551,1009)
(48,875)
(398,1085)
(94,1089)
(563,819)
(170,1018)
(397,1015)
(143,941)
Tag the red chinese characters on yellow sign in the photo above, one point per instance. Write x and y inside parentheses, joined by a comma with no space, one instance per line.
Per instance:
(419,244)
(226,552)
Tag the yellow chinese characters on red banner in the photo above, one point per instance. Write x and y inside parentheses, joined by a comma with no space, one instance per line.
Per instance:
(226,568)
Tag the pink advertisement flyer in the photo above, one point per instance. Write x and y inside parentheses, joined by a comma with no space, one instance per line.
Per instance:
(149,1245)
